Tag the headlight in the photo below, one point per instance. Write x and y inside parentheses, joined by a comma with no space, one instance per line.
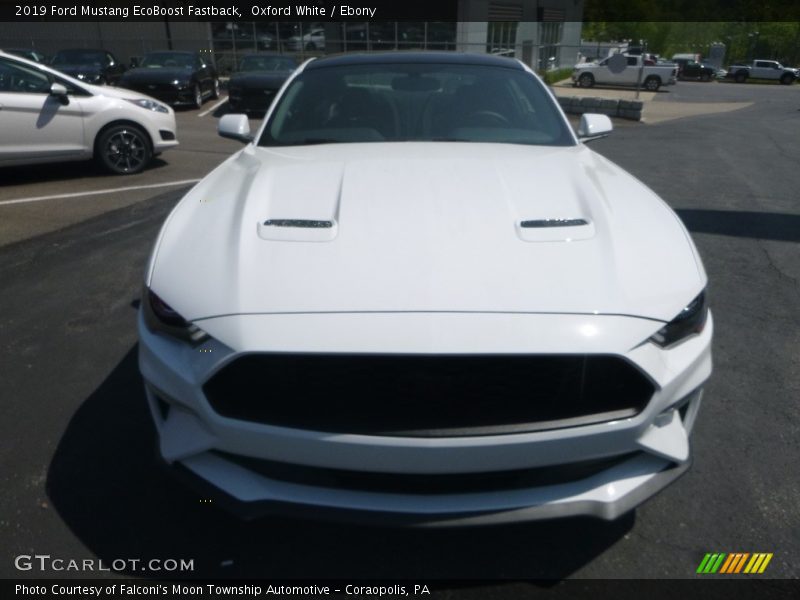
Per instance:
(690,321)
(148,104)
(160,317)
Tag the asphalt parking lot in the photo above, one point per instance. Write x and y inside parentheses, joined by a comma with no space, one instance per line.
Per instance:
(78,467)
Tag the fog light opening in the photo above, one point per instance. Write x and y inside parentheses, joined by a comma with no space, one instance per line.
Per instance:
(163,407)
(687,409)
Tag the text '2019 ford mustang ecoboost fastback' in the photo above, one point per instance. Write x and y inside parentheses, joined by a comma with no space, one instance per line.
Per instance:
(416,295)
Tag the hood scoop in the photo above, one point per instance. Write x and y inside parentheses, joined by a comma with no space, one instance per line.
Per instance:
(555,229)
(297,230)
(300,202)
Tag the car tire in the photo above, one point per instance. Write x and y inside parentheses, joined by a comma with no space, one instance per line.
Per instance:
(651,84)
(705,77)
(215,89)
(740,78)
(123,149)
(311,46)
(197,96)
(787,79)
(586,80)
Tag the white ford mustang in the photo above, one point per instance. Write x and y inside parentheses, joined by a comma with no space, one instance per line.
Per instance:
(417,296)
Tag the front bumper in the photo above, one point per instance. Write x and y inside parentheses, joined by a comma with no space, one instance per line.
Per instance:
(161,128)
(167,93)
(652,447)
(250,100)
(606,496)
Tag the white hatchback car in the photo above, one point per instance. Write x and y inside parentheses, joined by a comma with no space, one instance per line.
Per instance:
(46,116)
(416,295)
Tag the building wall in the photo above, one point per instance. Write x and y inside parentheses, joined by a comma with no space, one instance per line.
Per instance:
(547,32)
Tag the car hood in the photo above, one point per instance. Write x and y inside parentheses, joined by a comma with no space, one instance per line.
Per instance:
(269,79)
(160,75)
(423,227)
(74,69)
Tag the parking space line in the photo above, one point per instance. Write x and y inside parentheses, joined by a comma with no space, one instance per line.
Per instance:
(99,192)
(213,107)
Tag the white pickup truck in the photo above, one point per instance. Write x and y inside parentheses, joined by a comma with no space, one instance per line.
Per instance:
(623,69)
(763,69)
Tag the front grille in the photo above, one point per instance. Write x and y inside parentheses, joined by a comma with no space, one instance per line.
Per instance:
(428,396)
(255,99)
(166,92)
(438,483)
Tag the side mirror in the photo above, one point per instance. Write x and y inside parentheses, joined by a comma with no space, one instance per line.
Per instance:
(58,89)
(235,127)
(593,126)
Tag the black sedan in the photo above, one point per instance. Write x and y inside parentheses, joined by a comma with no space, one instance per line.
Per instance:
(90,65)
(260,76)
(689,69)
(174,77)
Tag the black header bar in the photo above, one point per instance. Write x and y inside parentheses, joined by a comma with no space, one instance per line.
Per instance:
(227,10)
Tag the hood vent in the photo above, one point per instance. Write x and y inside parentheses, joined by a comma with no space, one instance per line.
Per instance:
(305,223)
(298,230)
(555,230)
(538,223)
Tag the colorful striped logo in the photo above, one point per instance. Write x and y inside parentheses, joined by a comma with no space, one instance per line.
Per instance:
(735,562)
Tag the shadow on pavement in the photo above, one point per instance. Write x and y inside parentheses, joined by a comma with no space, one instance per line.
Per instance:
(71,170)
(222,110)
(105,482)
(760,225)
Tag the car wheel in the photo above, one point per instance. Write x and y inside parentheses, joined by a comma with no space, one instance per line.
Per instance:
(705,77)
(198,96)
(215,90)
(311,46)
(787,79)
(586,80)
(651,84)
(123,149)
(740,78)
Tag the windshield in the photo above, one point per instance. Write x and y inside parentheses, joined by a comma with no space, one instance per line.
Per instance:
(416,102)
(80,57)
(267,63)
(172,60)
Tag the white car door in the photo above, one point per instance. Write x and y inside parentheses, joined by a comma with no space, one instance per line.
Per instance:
(616,69)
(764,69)
(34,124)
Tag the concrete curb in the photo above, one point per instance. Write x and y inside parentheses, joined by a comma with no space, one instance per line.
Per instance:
(625,109)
